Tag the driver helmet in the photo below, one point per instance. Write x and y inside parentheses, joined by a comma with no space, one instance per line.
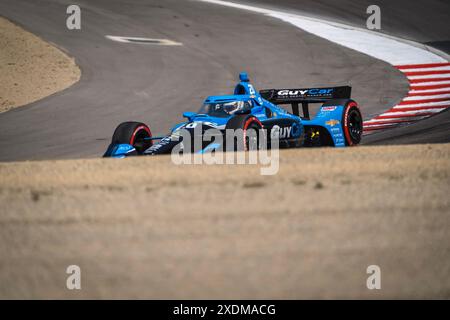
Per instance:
(232,107)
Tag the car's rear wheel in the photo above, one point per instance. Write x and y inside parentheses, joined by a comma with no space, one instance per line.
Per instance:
(136,134)
(352,123)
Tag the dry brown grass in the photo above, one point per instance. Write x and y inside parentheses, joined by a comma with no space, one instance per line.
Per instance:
(143,227)
(30,68)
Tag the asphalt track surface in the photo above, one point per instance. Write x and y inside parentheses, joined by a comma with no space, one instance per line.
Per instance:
(418,20)
(155,84)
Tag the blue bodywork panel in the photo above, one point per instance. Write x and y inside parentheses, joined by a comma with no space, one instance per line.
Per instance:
(329,117)
(119,151)
(289,126)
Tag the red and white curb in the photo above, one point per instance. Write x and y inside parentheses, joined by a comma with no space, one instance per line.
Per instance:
(429,93)
(427,72)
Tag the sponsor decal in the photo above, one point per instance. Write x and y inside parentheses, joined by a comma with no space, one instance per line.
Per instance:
(192,125)
(159,145)
(296,131)
(292,92)
(260,101)
(320,91)
(304,92)
(332,122)
(280,133)
(330,108)
(251,90)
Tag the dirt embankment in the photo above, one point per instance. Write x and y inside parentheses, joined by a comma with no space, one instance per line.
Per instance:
(143,227)
(30,68)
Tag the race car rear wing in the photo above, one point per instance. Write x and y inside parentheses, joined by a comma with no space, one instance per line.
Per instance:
(305,96)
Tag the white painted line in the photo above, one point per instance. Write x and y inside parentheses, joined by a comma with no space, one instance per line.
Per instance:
(382,125)
(373,44)
(393,50)
(438,96)
(400,113)
(430,90)
(417,87)
(418,110)
(427,104)
(430,76)
(393,120)
(431,83)
(426,69)
(141,40)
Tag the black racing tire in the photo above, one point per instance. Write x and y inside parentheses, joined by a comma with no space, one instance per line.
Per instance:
(352,123)
(133,133)
(245,122)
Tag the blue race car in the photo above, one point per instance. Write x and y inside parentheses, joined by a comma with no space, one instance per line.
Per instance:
(337,123)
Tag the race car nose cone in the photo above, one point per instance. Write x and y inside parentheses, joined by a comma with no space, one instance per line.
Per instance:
(243,76)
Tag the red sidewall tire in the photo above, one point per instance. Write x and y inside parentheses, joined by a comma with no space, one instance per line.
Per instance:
(136,131)
(349,140)
(244,122)
(251,122)
(133,133)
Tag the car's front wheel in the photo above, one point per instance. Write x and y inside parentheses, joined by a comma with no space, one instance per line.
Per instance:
(133,133)
(248,138)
